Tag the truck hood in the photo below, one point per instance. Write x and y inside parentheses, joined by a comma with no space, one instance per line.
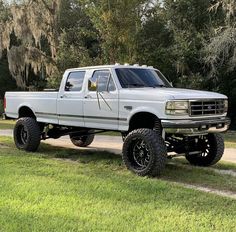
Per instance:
(153,94)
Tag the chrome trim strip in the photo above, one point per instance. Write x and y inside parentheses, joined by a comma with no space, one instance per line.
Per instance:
(82,116)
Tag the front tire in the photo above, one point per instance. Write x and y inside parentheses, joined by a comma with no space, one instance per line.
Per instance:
(27,134)
(144,152)
(212,150)
(82,141)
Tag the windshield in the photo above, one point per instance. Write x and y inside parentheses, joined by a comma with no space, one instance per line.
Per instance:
(139,78)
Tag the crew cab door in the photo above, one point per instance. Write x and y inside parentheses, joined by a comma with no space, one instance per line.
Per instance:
(101,101)
(70,100)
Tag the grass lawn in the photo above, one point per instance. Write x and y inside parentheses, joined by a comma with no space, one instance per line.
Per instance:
(59,189)
(206,177)
(6,124)
(230,139)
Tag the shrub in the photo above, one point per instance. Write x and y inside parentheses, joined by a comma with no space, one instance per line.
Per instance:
(1,107)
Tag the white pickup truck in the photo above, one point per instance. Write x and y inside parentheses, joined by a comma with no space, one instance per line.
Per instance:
(154,118)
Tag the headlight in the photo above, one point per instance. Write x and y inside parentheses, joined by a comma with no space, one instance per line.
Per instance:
(226,105)
(177,107)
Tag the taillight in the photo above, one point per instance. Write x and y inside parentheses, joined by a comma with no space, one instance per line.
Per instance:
(5,104)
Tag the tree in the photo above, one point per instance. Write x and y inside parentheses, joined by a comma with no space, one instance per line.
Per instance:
(42,41)
(220,51)
(118,23)
(154,42)
(188,21)
(31,23)
(6,80)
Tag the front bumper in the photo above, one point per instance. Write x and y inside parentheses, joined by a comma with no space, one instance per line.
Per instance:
(196,126)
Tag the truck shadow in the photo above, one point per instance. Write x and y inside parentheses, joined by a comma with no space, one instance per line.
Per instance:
(80,155)
(177,169)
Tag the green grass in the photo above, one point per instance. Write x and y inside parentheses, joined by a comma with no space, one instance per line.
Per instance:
(230,139)
(179,170)
(58,189)
(6,124)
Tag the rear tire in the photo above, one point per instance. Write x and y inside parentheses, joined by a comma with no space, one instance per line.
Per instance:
(144,152)
(212,152)
(27,134)
(82,141)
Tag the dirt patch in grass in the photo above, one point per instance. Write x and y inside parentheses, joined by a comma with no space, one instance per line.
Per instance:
(3,146)
(225,172)
(208,190)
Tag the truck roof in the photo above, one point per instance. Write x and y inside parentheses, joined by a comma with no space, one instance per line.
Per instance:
(112,66)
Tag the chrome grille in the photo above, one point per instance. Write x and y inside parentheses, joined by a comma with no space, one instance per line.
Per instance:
(207,107)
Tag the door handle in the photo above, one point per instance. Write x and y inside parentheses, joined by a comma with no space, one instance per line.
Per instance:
(63,96)
(87,96)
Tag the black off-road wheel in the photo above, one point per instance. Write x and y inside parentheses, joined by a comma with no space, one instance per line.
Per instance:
(212,150)
(82,141)
(144,152)
(27,134)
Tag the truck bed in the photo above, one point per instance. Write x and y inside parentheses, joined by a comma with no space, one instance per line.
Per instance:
(42,103)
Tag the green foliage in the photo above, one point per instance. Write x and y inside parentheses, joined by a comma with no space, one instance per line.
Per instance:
(118,23)
(154,43)
(188,20)
(192,42)
(220,52)
(7,83)
(1,107)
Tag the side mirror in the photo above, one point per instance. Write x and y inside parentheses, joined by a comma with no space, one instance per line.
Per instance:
(68,86)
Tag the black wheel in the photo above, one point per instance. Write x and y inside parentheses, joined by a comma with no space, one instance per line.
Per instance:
(144,152)
(27,134)
(82,141)
(212,149)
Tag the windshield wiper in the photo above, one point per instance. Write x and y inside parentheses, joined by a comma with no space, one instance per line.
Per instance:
(161,86)
(135,85)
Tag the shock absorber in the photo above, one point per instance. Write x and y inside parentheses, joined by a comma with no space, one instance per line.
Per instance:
(186,144)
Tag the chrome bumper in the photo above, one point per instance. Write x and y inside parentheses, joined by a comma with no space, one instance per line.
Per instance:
(196,127)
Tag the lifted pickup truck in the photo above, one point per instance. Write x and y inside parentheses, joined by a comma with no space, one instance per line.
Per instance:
(154,118)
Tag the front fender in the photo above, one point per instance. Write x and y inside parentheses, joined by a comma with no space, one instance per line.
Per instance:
(143,109)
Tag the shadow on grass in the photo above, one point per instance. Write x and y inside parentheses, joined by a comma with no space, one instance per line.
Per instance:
(177,170)
(88,155)
(80,155)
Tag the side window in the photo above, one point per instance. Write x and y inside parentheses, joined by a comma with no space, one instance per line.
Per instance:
(101,81)
(75,81)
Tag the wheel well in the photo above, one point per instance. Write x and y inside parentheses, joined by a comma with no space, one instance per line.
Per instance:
(26,112)
(144,120)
